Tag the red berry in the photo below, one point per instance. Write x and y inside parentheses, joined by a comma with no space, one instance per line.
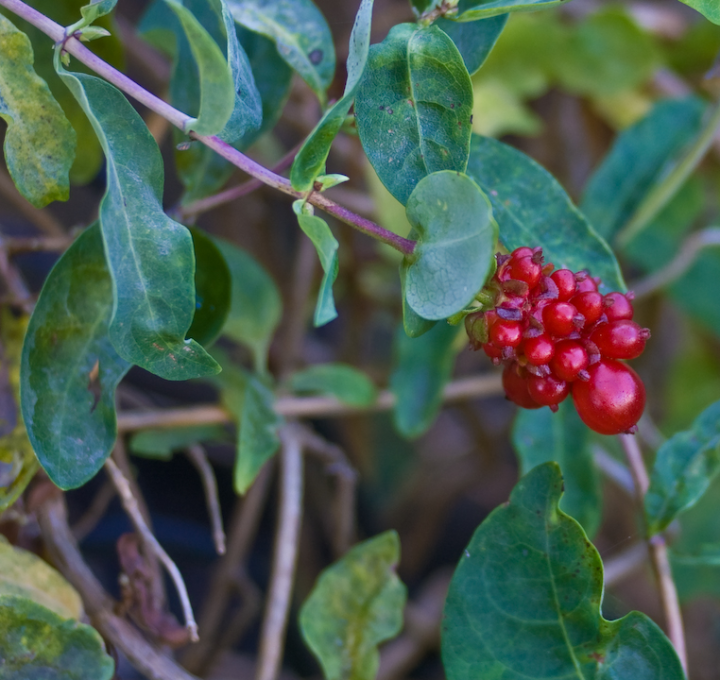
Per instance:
(585,282)
(561,319)
(565,281)
(612,400)
(538,350)
(547,391)
(622,339)
(504,333)
(524,269)
(515,383)
(495,353)
(570,358)
(523,251)
(618,306)
(589,304)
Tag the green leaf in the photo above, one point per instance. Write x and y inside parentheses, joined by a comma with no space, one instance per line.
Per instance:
(474,40)
(40,142)
(300,33)
(541,436)
(356,604)
(456,236)
(258,439)
(310,160)
(708,555)
(472,10)
(37,643)
(24,574)
(163,443)
(340,380)
(317,230)
(153,292)
(524,602)
(96,9)
(413,324)
(640,157)
(256,305)
(217,87)
(709,8)
(213,286)
(684,468)
(423,367)
(70,369)
(413,107)
(532,209)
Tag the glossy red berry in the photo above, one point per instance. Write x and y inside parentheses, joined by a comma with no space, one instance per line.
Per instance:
(515,383)
(612,400)
(547,391)
(570,359)
(618,306)
(504,333)
(622,339)
(561,319)
(524,269)
(538,350)
(495,353)
(523,251)
(585,282)
(565,281)
(590,305)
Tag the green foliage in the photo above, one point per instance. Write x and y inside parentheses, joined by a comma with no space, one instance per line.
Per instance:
(709,8)
(68,352)
(154,296)
(472,10)
(300,33)
(542,436)
(423,366)
(317,230)
(255,306)
(162,444)
(456,235)
(475,39)
(356,604)
(640,157)
(40,142)
(340,380)
(684,468)
(525,600)
(413,107)
(531,208)
(96,9)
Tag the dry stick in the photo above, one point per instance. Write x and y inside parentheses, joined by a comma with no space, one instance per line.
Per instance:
(658,553)
(14,245)
(197,457)
(284,557)
(58,539)
(181,120)
(131,507)
(485,385)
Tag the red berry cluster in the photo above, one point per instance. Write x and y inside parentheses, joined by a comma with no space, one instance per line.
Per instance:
(557,335)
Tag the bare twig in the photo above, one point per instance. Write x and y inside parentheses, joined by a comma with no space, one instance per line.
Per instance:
(52,517)
(94,513)
(197,457)
(614,470)
(131,507)
(284,557)
(658,553)
(485,385)
(15,244)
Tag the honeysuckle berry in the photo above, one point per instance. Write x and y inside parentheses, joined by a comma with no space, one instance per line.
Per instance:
(589,304)
(569,360)
(547,391)
(515,384)
(505,333)
(538,350)
(622,339)
(618,306)
(561,319)
(564,279)
(585,282)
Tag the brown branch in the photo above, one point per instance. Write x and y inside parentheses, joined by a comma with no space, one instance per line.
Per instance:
(52,518)
(658,552)
(197,457)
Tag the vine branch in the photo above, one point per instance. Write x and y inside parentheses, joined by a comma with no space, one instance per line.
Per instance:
(181,120)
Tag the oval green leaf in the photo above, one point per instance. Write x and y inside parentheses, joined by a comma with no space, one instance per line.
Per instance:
(708,8)
(96,9)
(524,602)
(300,32)
(40,142)
(150,256)
(356,604)
(474,40)
(541,436)
(413,107)
(70,369)
(340,380)
(532,209)
(456,235)
(472,10)
(310,160)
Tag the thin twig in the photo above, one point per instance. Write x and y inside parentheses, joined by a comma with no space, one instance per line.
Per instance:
(284,556)
(197,457)
(684,259)
(56,534)
(14,245)
(658,553)
(486,385)
(131,507)
(614,470)
(182,121)
(95,512)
